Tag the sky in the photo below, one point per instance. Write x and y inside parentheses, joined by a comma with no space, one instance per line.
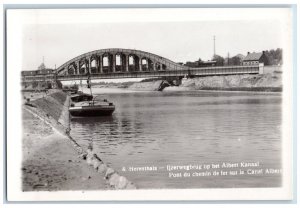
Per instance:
(179,41)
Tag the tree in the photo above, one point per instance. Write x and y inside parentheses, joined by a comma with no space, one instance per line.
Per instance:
(270,57)
(219,60)
(274,56)
(278,55)
(235,61)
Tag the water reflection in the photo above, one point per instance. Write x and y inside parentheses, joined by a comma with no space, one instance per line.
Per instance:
(111,130)
(181,128)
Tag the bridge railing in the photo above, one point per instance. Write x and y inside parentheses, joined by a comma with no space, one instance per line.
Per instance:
(32,78)
(205,71)
(225,70)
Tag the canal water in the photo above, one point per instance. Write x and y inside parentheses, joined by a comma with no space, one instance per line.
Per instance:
(189,139)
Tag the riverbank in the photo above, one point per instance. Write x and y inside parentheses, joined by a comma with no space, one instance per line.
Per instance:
(146,86)
(52,160)
(270,82)
(50,163)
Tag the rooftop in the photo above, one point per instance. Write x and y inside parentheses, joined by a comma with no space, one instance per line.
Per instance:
(253,56)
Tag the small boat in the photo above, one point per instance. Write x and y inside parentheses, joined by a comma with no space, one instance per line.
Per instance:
(85,105)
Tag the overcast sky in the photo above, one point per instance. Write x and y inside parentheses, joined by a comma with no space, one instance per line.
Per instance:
(178,41)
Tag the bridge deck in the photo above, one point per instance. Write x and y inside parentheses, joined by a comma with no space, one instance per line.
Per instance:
(205,71)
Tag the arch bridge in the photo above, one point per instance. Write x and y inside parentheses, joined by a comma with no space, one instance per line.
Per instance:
(127,63)
(116,60)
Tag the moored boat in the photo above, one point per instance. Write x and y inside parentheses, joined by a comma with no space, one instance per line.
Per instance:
(85,105)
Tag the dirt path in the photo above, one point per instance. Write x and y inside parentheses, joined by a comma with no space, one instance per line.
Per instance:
(50,162)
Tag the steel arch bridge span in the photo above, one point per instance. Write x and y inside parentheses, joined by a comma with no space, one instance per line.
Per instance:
(115,60)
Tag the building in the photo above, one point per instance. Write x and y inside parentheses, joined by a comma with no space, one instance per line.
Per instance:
(43,77)
(207,63)
(45,71)
(255,59)
(28,73)
(42,70)
(197,64)
(192,64)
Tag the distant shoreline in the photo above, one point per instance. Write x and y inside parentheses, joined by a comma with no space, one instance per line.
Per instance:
(226,90)
(232,83)
(269,82)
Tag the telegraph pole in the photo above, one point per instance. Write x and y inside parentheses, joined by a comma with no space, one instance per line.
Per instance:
(214,45)
(228,58)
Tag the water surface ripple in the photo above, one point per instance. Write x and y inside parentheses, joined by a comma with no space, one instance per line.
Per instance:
(182,128)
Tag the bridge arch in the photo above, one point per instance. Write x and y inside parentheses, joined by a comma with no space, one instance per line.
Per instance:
(146,63)
(107,59)
(135,66)
(117,60)
(83,65)
(94,59)
(72,69)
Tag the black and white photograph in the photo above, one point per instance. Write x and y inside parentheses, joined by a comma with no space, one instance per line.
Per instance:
(150,104)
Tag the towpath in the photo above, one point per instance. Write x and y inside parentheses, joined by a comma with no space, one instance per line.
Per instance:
(51,163)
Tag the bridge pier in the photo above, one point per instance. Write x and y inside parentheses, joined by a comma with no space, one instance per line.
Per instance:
(126,62)
(78,67)
(154,66)
(100,64)
(140,64)
(89,66)
(147,65)
(96,65)
(86,66)
(114,63)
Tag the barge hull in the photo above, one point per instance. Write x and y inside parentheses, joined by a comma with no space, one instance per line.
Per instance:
(91,112)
